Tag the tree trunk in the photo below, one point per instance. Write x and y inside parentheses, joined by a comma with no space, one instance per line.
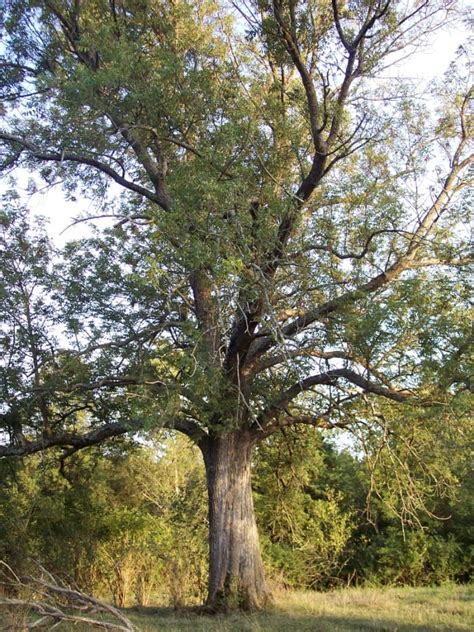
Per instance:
(236,576)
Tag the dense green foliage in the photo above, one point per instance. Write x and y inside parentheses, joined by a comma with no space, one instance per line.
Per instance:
(121,522)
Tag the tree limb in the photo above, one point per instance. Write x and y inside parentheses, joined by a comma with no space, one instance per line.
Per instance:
(67,440)
(393,272)
(329,378)
(189,428)
(204,308)
(61,156)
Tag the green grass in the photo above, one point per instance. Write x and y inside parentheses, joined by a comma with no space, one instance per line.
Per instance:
(447,609)
(392,609)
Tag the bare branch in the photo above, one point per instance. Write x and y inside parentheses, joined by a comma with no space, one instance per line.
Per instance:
(55,602)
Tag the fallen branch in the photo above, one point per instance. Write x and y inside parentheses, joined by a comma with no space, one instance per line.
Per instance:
(55,603)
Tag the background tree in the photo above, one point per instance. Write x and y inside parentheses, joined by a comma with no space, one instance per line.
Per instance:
(281,203)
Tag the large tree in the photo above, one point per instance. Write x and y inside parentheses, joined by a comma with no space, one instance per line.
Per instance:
(285,208)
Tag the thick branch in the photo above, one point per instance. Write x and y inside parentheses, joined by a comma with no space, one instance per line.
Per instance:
(189,428)
(279,358)
(154,170)
(66,440)
(204,308)
(75,442)
(267,362)
(316,421)
(340,32)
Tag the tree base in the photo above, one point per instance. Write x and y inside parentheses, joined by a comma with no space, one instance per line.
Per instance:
(225,603)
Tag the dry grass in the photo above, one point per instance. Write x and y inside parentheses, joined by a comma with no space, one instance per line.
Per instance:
(446,609)
(395,610)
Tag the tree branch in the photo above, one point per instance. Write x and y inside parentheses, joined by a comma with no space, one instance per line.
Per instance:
(154,170)
(55,602)
(67,440)
(75,442)
(316,421)
(205,313)
(351,255)
(274,360)
(393,272)
(329,378)
(337,22)
(189,428)
(243,338)
(55,156)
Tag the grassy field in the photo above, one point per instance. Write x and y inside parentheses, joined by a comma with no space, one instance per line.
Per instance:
(447,609)
(395,610)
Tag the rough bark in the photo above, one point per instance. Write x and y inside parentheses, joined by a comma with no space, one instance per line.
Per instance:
(236,575)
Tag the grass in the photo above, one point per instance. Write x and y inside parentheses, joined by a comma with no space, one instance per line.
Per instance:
(385,610)
(446,609)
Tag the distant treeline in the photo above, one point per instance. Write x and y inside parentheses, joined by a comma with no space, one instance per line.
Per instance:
(129,522)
